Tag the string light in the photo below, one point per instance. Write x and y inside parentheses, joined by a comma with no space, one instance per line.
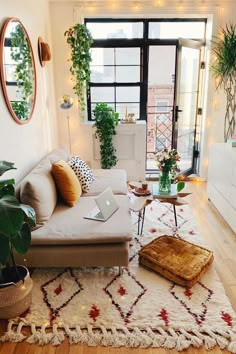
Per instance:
(180,5)
(92,7)
(113,5)
(136,6)
(157,3)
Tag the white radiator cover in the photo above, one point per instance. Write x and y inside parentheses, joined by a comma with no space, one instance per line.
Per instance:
(221,185)
(130,144)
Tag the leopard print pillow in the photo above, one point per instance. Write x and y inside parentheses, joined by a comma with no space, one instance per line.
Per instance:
(82,171)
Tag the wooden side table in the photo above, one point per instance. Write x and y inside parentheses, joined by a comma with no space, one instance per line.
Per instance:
(139,207)
(140,203)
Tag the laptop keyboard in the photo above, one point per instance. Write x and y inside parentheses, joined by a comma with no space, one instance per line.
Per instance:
(95,213)
(99,215)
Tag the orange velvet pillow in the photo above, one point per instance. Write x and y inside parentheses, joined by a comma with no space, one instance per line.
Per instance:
(66,181)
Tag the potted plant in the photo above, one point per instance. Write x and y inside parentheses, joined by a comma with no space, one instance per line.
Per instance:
(106,121)
(224,70)
(15,235)
(80,41)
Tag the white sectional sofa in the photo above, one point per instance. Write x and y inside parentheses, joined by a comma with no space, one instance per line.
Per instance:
(65,238)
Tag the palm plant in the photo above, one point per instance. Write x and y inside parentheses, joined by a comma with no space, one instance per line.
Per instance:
(15,222)
(224,70)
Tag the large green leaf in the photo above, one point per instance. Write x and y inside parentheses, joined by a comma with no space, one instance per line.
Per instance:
(180,186)
(7,188)
(30,214)
(22,240)
(6,166)
(6,182)
(4,249)
(11,216)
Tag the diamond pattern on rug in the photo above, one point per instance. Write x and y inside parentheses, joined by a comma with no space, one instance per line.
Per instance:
(121,290)
(139,308)
(134,247)
(193,300)
(57,297)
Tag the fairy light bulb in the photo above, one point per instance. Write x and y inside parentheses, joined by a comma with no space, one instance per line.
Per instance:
(136,6)
(180,5)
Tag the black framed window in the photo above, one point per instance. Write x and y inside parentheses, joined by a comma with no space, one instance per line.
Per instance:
(119,68)
(116,78)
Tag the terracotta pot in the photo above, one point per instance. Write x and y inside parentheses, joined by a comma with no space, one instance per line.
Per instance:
(15,298)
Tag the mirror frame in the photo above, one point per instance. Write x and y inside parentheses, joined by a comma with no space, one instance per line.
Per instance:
(2,72)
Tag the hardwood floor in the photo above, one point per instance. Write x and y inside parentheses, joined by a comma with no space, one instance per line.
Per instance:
(219,237)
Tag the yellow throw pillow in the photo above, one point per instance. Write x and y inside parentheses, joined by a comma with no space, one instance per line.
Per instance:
(66,181)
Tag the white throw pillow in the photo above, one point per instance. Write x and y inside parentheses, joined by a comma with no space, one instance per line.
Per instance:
(82,171)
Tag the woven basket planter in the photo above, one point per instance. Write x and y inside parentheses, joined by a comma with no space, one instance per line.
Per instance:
(16,298)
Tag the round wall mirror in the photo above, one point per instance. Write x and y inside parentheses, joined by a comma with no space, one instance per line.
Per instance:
(18,75)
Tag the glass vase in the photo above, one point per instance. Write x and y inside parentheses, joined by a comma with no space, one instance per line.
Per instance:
(164,182)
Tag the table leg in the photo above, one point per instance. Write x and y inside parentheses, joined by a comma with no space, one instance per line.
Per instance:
(175,215)
(139,218)
(143,220)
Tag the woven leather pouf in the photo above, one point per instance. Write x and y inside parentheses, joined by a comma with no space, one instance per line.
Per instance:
(179,261)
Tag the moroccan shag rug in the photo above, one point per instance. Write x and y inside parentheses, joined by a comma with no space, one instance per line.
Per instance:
(136,309)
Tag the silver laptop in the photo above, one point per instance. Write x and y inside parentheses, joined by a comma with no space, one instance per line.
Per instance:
(106,206)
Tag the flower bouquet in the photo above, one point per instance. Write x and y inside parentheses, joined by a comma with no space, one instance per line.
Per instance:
(167,163)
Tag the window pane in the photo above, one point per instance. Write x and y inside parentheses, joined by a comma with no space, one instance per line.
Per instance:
(102,94)
(115,29)
(127,56)
(176,30)
(102,74)
(102,56)
(127,94)
(128,74)
(131,108)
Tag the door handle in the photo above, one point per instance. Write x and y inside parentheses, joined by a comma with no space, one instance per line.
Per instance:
(177,110)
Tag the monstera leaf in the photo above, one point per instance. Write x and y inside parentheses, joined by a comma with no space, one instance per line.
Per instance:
(6,166)
(11,216)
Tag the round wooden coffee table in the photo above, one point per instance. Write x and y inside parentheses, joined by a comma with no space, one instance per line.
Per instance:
(140,203)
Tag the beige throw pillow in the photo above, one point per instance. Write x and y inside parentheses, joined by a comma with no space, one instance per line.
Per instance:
(39,191)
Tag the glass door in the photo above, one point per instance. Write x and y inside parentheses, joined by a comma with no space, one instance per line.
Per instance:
(160,102)
(186,103)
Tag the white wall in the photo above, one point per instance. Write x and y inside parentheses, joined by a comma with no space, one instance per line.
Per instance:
(27,144)
(65,14)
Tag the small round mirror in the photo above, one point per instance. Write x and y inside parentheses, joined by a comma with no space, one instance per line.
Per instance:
(18,75)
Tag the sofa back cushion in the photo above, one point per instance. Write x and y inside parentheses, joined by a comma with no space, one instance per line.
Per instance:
(67,183)
(39,191)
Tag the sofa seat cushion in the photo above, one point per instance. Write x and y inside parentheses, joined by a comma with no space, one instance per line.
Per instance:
(67,225)
(114,178)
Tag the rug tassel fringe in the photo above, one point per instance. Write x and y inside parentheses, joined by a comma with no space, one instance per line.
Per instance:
(168,338)
(13,335)
(39,336)
(221,341)
(232,345)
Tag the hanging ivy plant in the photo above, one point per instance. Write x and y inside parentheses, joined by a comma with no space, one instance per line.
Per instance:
(80,41)
(105,123)
(21,54)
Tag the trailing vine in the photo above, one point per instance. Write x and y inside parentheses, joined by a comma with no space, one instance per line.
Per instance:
(80,41)
(21,54)
(106,121)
